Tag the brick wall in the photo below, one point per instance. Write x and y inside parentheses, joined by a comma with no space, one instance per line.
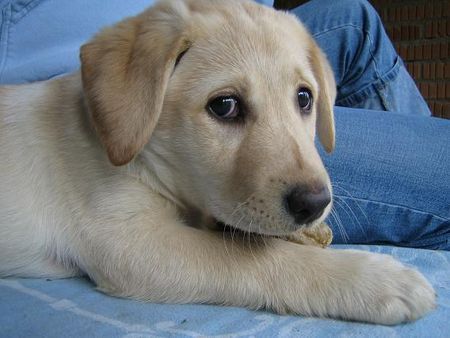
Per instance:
(420,30)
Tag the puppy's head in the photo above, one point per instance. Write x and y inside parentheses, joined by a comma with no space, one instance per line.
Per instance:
(222,101)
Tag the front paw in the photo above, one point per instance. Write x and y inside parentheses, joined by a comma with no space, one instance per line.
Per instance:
(378,289)
(354,285)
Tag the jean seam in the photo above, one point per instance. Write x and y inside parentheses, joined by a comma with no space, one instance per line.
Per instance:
(356,96)
(25,10)
(364,31)
(395,205)
(434,240)
(337,27)
(380,88)
(369,38)
(371,53)
(4,36)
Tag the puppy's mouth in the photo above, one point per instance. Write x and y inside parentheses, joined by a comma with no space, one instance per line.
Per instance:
(223,227)
(276,212)
(234,231)
(255,231)
(279,224)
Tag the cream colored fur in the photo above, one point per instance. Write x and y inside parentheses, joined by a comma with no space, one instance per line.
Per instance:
(65,209)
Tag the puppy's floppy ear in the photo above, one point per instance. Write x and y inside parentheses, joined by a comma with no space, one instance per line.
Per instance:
(125,71)
(327,94)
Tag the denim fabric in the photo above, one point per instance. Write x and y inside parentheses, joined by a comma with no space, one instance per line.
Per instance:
(40,38)
(391,179)
(368,71)
(390,170)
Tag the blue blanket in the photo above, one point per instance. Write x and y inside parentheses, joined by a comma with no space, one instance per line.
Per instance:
(73,308)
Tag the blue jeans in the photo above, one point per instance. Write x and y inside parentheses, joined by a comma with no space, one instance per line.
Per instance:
(391,166)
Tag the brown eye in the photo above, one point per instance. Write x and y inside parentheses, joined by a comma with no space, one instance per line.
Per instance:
(305,99)
(224,107)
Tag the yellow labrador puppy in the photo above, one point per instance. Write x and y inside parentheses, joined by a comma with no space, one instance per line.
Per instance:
(192,111)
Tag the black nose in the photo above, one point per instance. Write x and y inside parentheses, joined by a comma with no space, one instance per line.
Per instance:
(306,204)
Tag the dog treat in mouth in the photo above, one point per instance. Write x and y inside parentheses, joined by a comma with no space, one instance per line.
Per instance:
(320,235)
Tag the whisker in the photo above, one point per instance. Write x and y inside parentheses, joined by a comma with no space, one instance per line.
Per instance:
(235,228)
(344,206)
(340,226)
(225,240)
(354,199)
(250,239)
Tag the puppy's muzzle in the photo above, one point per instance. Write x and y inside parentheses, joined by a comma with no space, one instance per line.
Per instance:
(306,204)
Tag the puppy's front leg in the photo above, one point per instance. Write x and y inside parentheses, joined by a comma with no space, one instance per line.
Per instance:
(166,261)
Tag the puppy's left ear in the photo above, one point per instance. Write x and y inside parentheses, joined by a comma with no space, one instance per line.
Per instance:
(125,72)
(327,94)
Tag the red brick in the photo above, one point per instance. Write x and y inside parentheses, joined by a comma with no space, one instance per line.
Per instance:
(418,53)
(409,67)
(398,14)
(396,34)
(446,111)
(429,30)
(426,71)
(441,90)
(437,10)
(404,32)
(436,51)
(427,52)
(440,70)
(381,10)
(420,12)
(411,53)
(412,12)
(424,89)
(432,70)
(442,28)
(404,13)
(447,70)
(432,90)
(435,29)
(417,70)
(390,32)
(446,11)
(412,32)
(428,11)
(403,52)
(444,50)
(421,31)
(438,109)
(391,14)
(416,34)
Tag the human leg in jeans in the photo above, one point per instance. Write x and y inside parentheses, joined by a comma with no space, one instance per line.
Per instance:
(391,166)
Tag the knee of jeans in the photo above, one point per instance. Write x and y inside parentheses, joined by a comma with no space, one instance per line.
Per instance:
(359,12)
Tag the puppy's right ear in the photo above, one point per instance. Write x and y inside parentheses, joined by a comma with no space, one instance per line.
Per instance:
(327,95)
(125,70)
